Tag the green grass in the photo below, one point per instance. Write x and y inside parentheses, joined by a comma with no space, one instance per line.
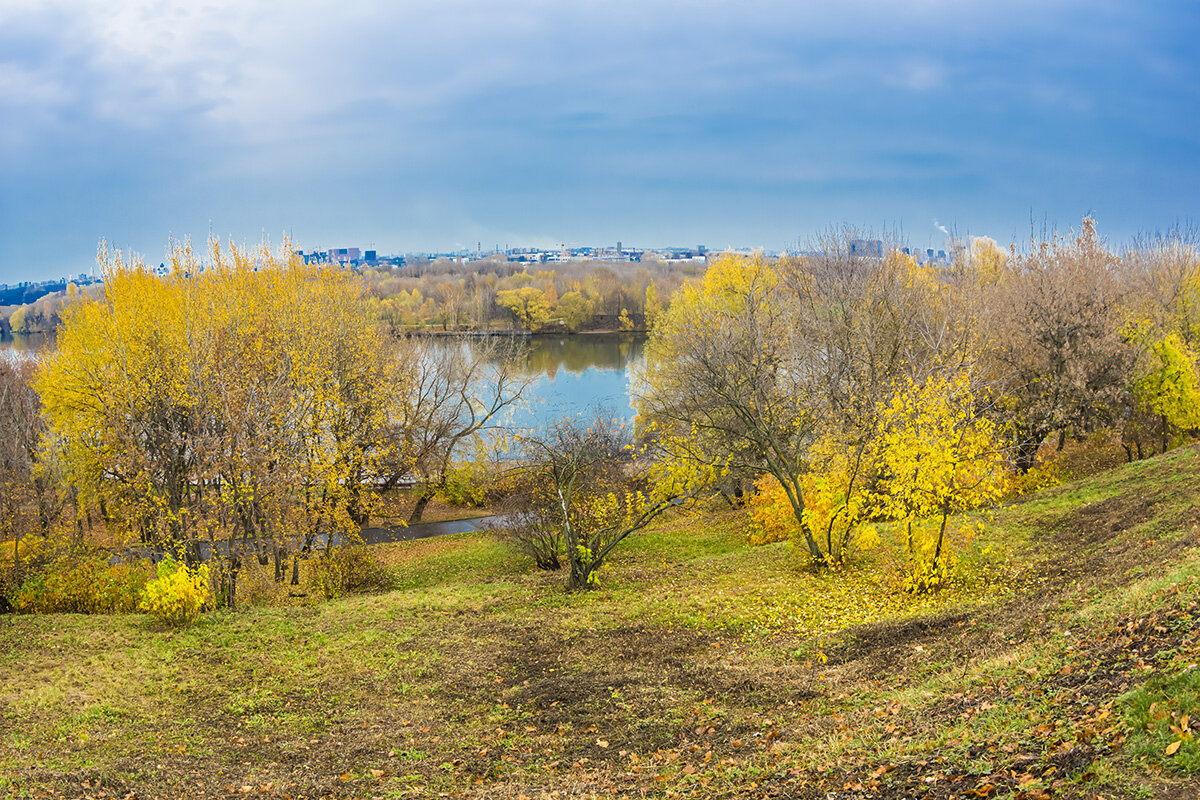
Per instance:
(1158,715)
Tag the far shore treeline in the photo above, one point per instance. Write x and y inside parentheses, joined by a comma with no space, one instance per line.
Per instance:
(446,296)
(245,405)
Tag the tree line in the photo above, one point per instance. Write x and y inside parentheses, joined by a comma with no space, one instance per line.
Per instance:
(495,294)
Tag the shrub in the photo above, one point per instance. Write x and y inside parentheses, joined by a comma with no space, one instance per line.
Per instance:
(927,570)
(531,529)
(350,569)
(84,584)
(772,515)
(23,559)
(178,594)
(465,485)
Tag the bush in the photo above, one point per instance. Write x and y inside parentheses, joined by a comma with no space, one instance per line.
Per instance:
(465,485)
(178,594)
(531,530)
(350,569)
(84,584)
(771,513)
(20,561)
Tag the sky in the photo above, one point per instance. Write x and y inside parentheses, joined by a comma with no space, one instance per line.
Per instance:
(438,125)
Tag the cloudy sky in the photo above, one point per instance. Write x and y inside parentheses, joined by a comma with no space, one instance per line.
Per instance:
(431,125)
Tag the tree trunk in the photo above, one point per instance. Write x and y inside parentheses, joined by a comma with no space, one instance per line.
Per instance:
(1026,455)
(937,553)
(422,501)
(235,565)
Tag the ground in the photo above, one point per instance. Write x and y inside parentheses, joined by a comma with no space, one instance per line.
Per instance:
(702,667)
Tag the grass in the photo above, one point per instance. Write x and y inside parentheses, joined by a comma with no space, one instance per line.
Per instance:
(701,667)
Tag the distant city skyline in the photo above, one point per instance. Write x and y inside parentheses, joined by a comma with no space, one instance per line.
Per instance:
(424,126)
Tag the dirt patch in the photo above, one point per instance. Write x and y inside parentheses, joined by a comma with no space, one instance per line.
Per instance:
(1097,522)
(880,641)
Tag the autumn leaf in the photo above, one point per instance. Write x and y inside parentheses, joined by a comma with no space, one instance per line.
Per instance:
(1173,747)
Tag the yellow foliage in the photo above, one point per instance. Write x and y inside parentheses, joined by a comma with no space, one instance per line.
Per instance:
(178,594)
(937,453)
(1170,387)
(937,456)
(913,275)
(987,259)
(771,513)
(1051,472)
(528,304)
(251,372)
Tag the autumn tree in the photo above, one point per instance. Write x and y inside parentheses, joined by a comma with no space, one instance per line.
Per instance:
(938,454)
(752,368)
(21,431)
(528,305)
(458,391)
(241,400)
(1054,340)
(574,309)
(594,489)
(1168,389)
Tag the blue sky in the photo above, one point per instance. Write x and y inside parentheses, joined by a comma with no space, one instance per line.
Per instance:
(433,125)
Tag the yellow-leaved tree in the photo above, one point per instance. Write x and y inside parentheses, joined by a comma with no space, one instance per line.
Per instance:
(779,367)
(937,455)
(1169,388)
(528,304)
(234,404)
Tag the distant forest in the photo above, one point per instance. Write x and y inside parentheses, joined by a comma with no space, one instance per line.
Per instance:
(491,294)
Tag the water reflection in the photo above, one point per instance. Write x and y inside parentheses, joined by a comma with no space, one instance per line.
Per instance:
(577,375)
(29,343)
(577,354)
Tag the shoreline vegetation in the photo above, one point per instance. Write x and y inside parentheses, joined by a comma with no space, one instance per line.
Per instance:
(880,528)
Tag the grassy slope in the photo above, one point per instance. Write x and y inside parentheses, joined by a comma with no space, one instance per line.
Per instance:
(703,667)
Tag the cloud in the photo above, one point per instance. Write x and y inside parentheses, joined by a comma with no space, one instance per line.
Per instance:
(433,115)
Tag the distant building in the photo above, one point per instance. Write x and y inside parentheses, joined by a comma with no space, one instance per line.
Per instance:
(867,247)
(344,255)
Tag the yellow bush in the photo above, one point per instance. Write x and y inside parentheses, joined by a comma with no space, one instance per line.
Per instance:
(178,594)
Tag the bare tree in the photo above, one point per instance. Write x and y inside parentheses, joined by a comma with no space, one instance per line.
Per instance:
(460,389)
(594,490)
(1055,343)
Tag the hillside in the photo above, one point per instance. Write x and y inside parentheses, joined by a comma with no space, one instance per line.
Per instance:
(702,668)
